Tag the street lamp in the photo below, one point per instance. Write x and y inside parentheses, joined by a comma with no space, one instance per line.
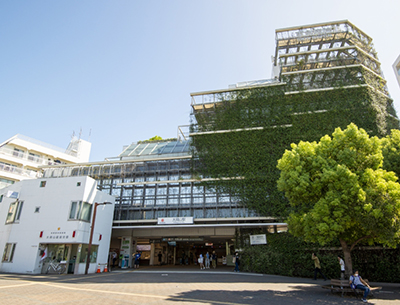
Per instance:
(91,234)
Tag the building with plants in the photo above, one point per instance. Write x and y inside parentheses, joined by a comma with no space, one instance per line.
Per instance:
(161,206)
(192,194)
(325,76)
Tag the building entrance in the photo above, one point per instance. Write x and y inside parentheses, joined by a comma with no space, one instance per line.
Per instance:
(173,246)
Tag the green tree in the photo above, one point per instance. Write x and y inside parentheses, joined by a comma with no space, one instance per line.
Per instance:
(391,152)
(337,189)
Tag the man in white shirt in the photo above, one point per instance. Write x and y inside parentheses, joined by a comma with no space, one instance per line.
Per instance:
(342,267)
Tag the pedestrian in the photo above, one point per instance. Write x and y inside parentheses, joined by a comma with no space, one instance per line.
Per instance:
(159,258)
(207,258)
(236,261)
(214,260)
(137,260)
(114,258)
(200,260)
(342,267)
(356,282)
(317,267)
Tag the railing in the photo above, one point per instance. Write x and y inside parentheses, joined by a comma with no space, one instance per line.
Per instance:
(19,171)
(26,156)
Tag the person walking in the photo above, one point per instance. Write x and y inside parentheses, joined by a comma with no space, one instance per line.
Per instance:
(114,258)
(159,258)
(356,282)
(137,259)
(214,260)
(342,267)
(317,267)
(200,260)
(207,260)
(236,260)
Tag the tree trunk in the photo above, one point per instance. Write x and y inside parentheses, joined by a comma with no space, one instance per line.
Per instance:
(347,258)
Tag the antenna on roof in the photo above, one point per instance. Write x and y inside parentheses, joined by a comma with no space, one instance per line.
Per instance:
(80,133)
(90,133)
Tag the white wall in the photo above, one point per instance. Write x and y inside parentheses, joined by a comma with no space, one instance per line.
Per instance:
(54,201)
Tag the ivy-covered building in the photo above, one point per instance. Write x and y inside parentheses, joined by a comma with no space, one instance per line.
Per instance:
(325,76)
(190,195)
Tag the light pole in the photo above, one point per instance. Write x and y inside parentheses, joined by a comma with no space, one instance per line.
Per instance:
(91,234)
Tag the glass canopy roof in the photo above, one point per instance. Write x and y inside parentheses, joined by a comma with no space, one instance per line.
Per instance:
(155,148)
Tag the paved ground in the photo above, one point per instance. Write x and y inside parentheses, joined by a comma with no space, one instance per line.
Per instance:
(181,285)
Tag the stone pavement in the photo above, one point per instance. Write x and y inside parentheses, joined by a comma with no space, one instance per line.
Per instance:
(176,285)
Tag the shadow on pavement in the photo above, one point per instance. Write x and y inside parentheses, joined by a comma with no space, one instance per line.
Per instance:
(299,295)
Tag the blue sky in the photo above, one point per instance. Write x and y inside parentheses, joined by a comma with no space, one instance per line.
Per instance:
(124,70)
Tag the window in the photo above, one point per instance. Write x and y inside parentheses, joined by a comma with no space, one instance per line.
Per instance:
(37,209)
(8,253)
(34,157)
(14,211)
(80,211)
(1,198)
(42,183)
(78,184)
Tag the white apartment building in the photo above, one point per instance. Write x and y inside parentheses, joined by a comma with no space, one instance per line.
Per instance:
(396,68)
(21,156)
(43,220)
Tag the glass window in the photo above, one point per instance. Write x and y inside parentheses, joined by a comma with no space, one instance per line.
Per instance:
(161,191)
(198,200)
(173,201)
(149,201)
(185,189)
(138,192)
(198,213)
(185,200)
(127,192)
(150,191)
(80,211)
(198,190)
(173,190)
(14,211)
(116,191)
(161,201)
(8,253)
(173,213)
(93,253)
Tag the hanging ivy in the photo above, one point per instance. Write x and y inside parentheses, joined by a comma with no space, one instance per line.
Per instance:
(275,118)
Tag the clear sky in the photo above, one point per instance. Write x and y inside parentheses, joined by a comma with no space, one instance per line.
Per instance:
(124,70)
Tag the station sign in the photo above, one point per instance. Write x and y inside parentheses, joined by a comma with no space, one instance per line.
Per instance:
(260,239)
(169,239)
(175,220)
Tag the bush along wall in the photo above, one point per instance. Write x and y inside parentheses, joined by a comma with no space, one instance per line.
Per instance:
(287,255)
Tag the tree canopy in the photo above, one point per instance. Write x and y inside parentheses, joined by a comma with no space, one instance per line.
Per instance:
(337,189)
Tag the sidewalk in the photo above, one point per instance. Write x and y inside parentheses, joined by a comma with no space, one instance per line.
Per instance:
(175,285)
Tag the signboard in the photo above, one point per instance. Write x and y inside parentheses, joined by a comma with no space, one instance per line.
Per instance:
(143,247)
(58,236)
(260,239)
(183,239)
(175,220)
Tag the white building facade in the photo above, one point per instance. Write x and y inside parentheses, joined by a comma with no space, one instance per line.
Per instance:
(43,220)
(21,156)
(396,68)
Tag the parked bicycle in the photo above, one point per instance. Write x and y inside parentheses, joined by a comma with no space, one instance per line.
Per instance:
(58,267)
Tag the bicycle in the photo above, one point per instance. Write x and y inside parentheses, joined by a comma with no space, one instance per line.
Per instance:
(57,267)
